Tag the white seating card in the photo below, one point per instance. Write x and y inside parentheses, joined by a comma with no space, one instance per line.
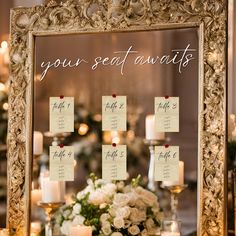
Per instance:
(114,166)
(61,114)
(167,114)
(114,113)
(61,166)
(166,163)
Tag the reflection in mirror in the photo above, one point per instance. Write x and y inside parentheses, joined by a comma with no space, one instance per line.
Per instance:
(231,141)
(139,65)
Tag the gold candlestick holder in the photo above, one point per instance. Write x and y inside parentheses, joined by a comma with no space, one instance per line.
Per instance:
(175,190)
(50,209)
(151,143)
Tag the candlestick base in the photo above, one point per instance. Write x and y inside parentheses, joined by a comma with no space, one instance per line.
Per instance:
(50,209)
(175,190)
(153,142)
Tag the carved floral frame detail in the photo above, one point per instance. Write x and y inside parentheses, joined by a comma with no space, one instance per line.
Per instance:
(209,16)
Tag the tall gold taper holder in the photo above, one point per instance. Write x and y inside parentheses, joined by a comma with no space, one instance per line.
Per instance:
(152,185)
(175,190)
(50,209)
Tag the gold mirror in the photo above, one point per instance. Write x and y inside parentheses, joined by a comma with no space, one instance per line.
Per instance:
(138,49)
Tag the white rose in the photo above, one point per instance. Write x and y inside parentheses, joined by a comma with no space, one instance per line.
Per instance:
(106,229)
(133,197)
(97,197)
(104,218)
(123,212)
(144,233)
(137,216)
(150,224)
(78,220)
(65,228)
(118,222)
(134,230)
(121,199)
(76,209)
(140,203)
(109,189)
(127,224)
(148,197)
(116,234)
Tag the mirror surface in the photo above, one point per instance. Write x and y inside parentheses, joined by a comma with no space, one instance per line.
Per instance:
(87,81)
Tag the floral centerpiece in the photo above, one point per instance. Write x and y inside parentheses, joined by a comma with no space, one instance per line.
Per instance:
(113,208)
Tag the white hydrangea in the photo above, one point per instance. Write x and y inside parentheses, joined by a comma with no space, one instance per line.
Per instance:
(109,189)
(97,197)
(66,213)
(65,228)
(78,220)
(76,209)
(80,195)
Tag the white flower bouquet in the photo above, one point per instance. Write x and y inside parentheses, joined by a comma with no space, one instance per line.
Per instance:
(113,209)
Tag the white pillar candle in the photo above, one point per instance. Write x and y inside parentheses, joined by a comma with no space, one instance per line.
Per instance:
(35,228)
(51,190)
(234,134)
(81,230)
(62,190)
(36,196)
(151,133)
(181,177)
(38,143)
(4,232)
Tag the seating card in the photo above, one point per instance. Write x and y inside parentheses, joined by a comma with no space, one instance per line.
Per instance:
(167,114)
(61,114)
(166,163)
(114,166)
(61,166)
(114,113)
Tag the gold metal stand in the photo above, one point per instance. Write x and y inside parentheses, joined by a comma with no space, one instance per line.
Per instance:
(50,209)
(175,190)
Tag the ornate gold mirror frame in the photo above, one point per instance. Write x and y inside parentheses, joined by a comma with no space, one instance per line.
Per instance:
(209,16)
